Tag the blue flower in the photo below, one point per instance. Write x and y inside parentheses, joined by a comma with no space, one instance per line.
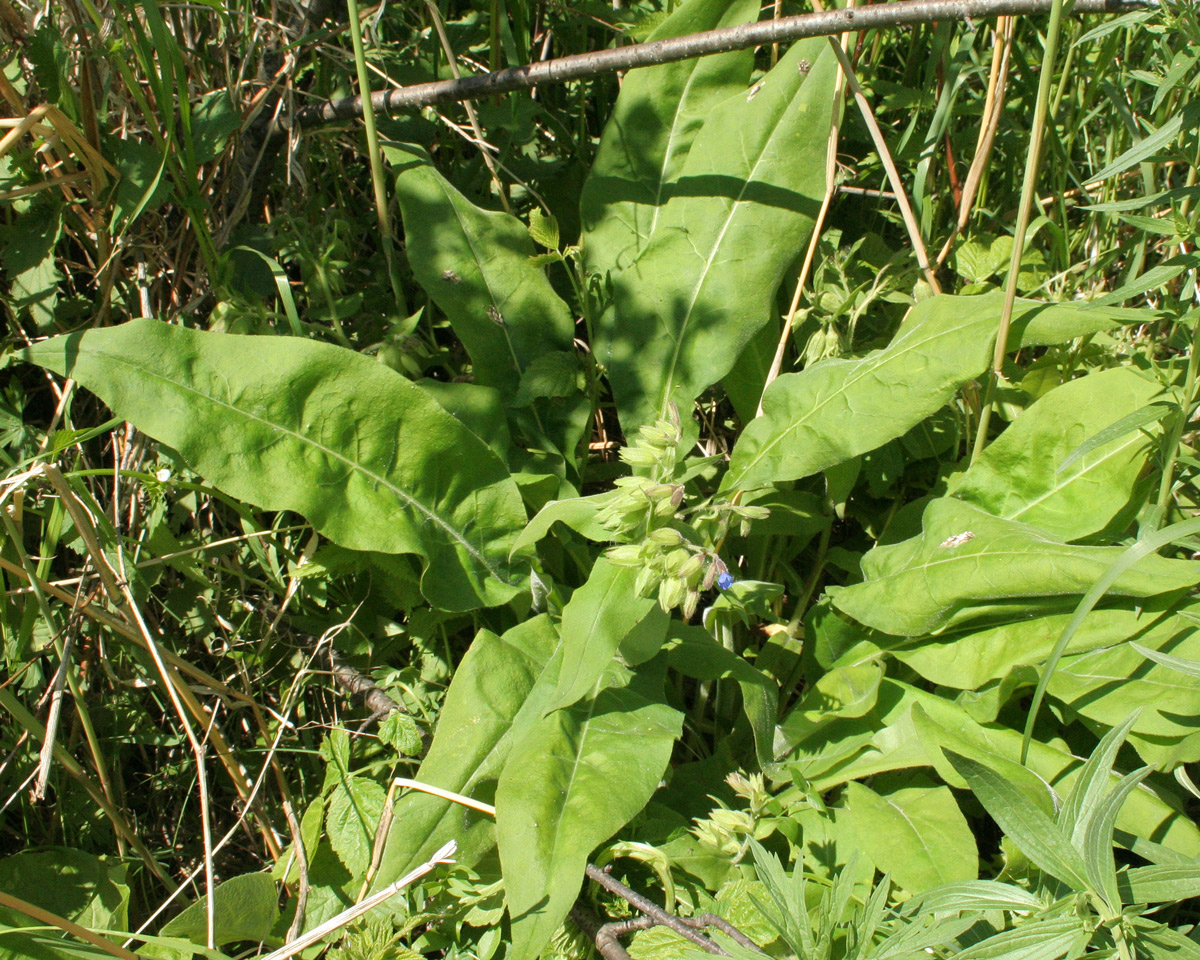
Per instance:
(725,581)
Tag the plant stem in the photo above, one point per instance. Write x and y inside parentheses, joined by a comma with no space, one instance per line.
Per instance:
(1028,187)
(375,158)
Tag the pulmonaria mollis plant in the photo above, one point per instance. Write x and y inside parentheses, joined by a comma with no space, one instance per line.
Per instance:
(674,547)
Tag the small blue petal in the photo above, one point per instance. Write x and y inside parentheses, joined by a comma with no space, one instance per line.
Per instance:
(725,581)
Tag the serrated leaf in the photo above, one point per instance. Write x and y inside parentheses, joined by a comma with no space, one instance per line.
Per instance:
(288,424)
(352,821)
(543,228)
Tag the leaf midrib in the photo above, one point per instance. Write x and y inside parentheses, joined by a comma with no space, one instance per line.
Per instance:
(400,494)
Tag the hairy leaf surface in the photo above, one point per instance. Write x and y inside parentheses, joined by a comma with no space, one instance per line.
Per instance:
(838,409)
(647,138)
(921,585)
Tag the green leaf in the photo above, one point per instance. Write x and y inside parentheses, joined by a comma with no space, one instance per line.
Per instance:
(599,615)
(27,245)
(572,779)
(244,908)
(969,659)
(1157,941)
(578,513)
(214,119)
(1034,833)
(918,835)
(1058,467)
(1092,783)
(543,228)
(1189,668)
(648,136)
(965,557)
(845,692)
(71,883)
(1159,139)
(353,820)
(1046,938)
(975,895)
(694,653)
(1098,841)
(474,263)
(493,686)
(289,424)
(838,409)
(1159,883)
(704,284)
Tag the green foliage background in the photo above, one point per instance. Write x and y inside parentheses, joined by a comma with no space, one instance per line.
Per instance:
(614,447)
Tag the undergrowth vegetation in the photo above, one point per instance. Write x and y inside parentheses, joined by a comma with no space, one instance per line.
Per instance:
(763,482)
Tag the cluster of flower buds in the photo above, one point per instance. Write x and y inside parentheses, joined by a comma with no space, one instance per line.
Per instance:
(655,529)
(668,562)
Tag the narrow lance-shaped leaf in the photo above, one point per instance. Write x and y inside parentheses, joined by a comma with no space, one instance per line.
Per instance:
(656,118)
(288,424)
(572,779)
(1034,833)
(838,409)
(739,213)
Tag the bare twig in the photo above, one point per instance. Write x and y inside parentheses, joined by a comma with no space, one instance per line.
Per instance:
(579,66)
(652,910)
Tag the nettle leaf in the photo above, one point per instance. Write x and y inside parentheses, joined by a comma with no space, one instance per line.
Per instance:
(743,203)
(352,820)
(651,129)
(500,681)
(838,409)
(918,834)
(1019,476)
(572,779)
(289,424)
(965,557)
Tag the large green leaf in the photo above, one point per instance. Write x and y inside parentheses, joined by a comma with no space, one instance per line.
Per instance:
(1019,477)
(571,780)
(838,409)
(244,908)
(476,266)
(918,834)
(965,557)
(968,660)
(289,424)
(656,118)
(599,615)
(494,684)
(739,213)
